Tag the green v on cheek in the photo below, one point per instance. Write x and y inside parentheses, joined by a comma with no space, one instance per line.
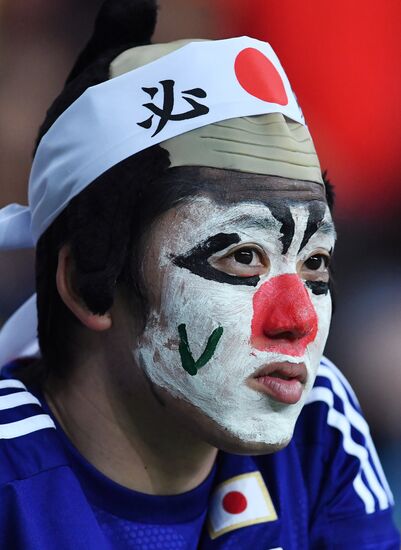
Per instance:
(187,360)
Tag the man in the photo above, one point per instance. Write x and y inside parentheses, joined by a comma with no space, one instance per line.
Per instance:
(184,235)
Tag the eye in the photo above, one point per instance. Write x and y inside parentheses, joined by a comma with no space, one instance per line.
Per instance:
(245,261)
(316,267)
(317,262)
(245,256)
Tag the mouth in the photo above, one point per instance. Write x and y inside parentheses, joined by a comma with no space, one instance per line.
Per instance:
(283,382)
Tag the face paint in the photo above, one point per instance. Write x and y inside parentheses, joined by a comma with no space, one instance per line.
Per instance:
(187,360)
(187,289)
(318,287)
(284,319)
(197,260)
(315,218)
(282,213)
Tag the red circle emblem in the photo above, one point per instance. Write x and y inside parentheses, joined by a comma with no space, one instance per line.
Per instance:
(259,77)
(235,502)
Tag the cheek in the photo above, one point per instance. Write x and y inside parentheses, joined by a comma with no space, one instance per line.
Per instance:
(323,308)
(203,305)
(279,318)
(192,311)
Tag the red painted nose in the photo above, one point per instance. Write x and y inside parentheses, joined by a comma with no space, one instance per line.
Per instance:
(284,319)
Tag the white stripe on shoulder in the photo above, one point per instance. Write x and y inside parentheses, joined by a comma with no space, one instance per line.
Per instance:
(17,399)
(342,378)
(364,494)
(356,419)
(343,422)
(25,426)
(11,383)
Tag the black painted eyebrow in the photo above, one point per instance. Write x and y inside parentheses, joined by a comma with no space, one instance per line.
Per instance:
(196,260)
(315,223)
(282,213)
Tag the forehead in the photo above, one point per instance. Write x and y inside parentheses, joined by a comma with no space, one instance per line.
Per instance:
(199,217)
(250,205)
(231,186)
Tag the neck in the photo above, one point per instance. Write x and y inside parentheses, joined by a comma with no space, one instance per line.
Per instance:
(125,430)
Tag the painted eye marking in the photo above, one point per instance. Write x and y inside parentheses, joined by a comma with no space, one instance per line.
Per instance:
(187,360)
(316,268)
(318,287)
(196,260)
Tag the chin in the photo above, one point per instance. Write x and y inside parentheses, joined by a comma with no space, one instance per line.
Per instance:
(248,440)
(225,441)
(240,447)
(261,434)
(221,437)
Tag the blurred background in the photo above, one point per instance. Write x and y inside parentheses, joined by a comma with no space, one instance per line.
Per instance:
(343,60)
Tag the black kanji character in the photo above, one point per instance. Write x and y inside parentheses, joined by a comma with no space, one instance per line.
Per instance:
(166,112)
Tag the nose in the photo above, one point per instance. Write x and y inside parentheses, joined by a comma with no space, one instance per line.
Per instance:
(284,319)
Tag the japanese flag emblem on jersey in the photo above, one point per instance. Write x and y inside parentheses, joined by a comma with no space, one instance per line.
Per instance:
(238,502)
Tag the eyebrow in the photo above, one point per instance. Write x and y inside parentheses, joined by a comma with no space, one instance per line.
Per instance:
(250,221)
(327,228)
(283,214)
(280,213)
(315,225)
(196,260)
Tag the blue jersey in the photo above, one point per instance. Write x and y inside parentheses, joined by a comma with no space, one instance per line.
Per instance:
(325,490)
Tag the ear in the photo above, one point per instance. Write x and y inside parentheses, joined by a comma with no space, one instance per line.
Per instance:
(64,283)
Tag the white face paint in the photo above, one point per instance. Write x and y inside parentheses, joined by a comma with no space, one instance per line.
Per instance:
(189,291)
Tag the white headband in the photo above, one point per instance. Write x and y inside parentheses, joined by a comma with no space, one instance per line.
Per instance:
(198,84)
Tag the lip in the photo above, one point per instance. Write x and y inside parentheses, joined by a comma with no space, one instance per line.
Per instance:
(284,382)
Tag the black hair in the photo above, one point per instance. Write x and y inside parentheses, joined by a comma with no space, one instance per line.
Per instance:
(330,193)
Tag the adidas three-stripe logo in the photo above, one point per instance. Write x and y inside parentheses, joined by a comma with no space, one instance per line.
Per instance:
(15,399)
(370,484)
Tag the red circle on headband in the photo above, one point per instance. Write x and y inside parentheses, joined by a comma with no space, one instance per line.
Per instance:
(259,77)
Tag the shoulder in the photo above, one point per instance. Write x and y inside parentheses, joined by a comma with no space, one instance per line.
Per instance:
(332,413)
(333,389)
(28,441)
(329,376)
(333,422)
(36,481)
(332,410)
(342,470)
